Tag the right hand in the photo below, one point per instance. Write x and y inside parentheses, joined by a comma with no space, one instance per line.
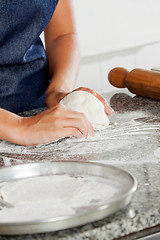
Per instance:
(53,124)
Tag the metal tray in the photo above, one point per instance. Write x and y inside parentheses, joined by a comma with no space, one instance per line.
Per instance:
(126,182)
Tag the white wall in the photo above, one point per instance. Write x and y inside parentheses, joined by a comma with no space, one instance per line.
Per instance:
(113,33)
(94,70)
(123,33)
(111,25)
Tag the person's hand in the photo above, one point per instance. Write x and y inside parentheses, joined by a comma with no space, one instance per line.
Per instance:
(53,124)
(56,97)
(108,110)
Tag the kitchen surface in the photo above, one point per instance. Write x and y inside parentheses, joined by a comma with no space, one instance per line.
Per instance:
(131,142)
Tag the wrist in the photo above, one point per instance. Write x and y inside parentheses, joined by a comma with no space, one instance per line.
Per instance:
(54,97)
(16,131)
(24,130)
(11,128)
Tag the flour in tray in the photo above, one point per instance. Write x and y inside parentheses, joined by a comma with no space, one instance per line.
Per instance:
(54,196)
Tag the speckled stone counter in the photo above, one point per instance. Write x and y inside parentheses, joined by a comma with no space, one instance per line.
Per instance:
(131,142)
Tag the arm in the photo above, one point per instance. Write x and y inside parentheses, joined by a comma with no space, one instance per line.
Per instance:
(9,126)
(62,50)
(48,126)
(63,54)
(56,122)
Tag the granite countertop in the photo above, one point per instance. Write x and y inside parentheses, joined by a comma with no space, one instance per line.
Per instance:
(131,142)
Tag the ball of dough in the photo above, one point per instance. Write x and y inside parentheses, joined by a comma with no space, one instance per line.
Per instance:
(91,106)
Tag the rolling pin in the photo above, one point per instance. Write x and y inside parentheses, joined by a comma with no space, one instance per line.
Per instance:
(141,82)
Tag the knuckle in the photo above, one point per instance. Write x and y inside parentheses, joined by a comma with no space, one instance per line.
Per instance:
(57,110)
(80,121)
(59,106)
(55,113)
(77,133)
(82,115)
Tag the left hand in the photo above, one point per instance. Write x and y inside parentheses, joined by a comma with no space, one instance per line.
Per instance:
(55,97)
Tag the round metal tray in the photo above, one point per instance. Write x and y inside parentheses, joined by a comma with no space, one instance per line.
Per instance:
(126,182)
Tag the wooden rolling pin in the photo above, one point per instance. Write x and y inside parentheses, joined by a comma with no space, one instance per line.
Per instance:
(141,82)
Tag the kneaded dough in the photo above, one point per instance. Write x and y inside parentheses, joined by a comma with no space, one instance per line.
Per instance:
(91,106)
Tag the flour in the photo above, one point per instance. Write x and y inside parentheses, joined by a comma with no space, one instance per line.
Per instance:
(157,153)
(91,106)
(53,196)
(127,133)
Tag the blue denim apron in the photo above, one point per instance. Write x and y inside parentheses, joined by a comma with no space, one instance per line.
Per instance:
(24,75)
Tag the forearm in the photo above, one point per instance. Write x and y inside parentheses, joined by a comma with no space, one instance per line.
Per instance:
(50,125)
(10,126)
(64,57)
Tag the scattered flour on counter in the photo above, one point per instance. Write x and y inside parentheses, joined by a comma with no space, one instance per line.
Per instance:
(54,196)
(157,153)
(111,143)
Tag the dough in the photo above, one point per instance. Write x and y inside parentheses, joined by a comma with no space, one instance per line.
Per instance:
(91,106)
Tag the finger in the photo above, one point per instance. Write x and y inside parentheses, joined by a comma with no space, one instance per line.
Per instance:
(59,107)
(91,128)
(64,117)
(56,134)
(76,123)
(75,119)
(74,132)
(108,110)
(84,89)
(84,119)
